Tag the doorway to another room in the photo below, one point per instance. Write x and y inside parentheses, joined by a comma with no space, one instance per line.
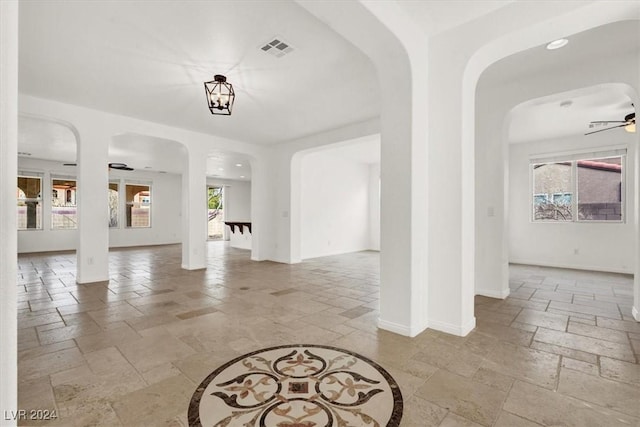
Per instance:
(215,213)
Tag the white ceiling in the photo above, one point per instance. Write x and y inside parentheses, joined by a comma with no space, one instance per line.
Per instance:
(149,59)
(436,16)
(544,118)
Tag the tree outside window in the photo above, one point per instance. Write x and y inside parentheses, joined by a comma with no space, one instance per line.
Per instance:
(114,199)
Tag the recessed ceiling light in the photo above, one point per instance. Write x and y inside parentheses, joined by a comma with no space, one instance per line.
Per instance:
(239,164)
(557,44)
(220,169)
(241,176)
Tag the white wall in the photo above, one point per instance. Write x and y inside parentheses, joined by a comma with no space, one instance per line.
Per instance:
(374,206)
(335,205)
(237,199)
(165,210)
(8,223)
(166,195)
(601,246)
(237,207)
(493,105)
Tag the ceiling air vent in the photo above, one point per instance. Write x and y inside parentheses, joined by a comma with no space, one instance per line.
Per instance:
(277,47)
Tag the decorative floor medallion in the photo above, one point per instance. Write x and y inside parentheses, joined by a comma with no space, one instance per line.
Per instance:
(297,386)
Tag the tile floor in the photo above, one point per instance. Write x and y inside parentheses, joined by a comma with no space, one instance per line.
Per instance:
(561,350)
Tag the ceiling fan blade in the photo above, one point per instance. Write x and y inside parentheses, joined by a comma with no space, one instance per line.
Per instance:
(69,164)
(602,130)
(608,121)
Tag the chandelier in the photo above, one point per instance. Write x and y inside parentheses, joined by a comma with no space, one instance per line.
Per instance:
(220,95)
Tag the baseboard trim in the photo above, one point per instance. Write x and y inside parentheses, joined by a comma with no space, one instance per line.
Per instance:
(394,327)
(493,294)
(571,267)
(92,280)
(204,267)
(635,313)
(452,329)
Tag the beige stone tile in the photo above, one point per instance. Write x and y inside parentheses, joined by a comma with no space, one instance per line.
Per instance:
(81,385)
(496,316)
(575,319)
(524,326)
(150,321)
(543,319)
(453,420)
(586,344)
(579,365)
(493,379)
(461,361)
(98,414)
(114,313)
(554,296)
(68,332)
(551,408)
(524,363)
(472,400)
(509,420)
(37,320)
(149,352)
(418,369)
(620,371)
(577,308)
(620,325)
(564,351)
(505,333)
(45,349)
(160,373)
(107,361)
(161,401)
(598,332)
(421,413)
(107,338)
(49,363)
(36,394)
(603,392)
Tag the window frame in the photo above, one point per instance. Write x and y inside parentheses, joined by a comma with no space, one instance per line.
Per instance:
(39,199)
(57,177)
(575,195)
(127,203)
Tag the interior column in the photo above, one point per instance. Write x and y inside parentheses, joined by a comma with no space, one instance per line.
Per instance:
(8,220)
(93,205)
(194,211)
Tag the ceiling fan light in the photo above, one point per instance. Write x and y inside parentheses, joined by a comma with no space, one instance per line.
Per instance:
(631,128)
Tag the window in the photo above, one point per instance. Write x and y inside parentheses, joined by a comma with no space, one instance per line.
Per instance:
(114,201)
(138,199)
(581,189)
(64,209)
(29,196)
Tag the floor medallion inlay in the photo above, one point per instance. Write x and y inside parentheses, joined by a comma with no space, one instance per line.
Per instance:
(297,386)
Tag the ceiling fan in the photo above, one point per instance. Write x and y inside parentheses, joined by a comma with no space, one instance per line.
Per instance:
(629,123)
(118,166)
